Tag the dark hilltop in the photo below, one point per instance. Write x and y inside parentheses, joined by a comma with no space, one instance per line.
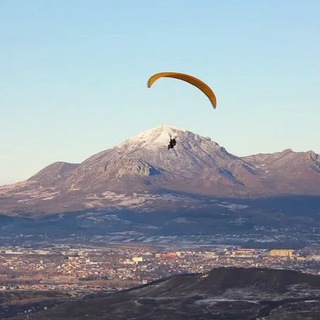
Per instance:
(223,293)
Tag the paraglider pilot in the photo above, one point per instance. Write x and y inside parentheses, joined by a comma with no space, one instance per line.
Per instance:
(172,143)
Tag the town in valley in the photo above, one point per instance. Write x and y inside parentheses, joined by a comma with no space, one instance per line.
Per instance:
(82,269)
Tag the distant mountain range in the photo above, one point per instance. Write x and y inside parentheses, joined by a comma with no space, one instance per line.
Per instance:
(223,293)
(141,174)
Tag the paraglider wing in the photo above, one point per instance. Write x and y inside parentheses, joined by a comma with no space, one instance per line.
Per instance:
(190,79)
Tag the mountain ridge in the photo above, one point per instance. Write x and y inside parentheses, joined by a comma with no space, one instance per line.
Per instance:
(143,166)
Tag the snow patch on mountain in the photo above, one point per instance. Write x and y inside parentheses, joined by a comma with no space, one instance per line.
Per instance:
(153,138)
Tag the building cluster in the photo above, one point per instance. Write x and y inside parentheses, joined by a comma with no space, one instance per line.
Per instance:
(88,269)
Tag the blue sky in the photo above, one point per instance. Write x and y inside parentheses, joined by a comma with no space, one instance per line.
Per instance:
(73,75)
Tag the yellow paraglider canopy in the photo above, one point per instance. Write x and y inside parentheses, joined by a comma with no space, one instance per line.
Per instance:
(190,79)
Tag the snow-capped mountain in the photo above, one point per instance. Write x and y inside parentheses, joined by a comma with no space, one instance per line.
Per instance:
(143,174)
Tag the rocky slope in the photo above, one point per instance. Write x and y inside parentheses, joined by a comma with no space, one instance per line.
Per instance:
(142,174)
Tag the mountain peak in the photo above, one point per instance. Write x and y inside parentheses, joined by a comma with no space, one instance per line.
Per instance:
(143,165)
(159,135)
